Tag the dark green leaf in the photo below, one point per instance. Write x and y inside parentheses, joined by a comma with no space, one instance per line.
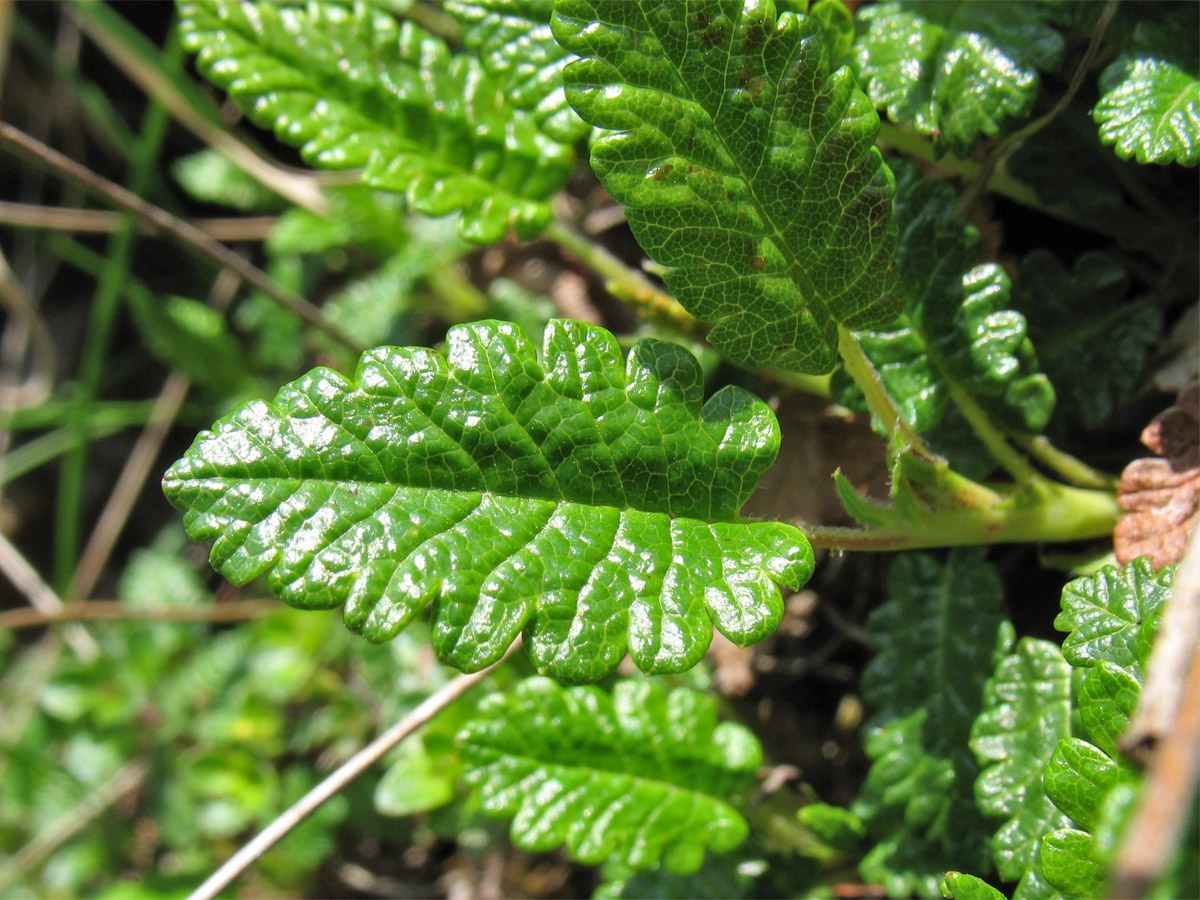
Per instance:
(956,70)
(1026,713)
(1105,613)
(1078,777)
(745,164)
(513,41)
(1091,344)
(354,88)
(590,502)
(640,776)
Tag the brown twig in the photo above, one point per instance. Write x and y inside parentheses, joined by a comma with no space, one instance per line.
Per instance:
(92,610)
(42,598)
(161,222)
(101,221)
(339,778)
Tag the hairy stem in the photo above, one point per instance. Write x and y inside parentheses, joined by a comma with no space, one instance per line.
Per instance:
(1073,470)
(879,401)
(1013,462)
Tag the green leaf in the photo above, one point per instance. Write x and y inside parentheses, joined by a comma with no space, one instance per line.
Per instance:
(957,886)
(1106,703)
(719,878)
(1065,163)
(956,70)
(1105,614)
(639,776)
(1070,863)
(835,826)
(590,502)
(1150,108)
(955,329)
(210,177)
(939,636)
(1077,778)
(415,782)
(745,164)
(513,41)
(354,88)
(1091,343)
(1027,711)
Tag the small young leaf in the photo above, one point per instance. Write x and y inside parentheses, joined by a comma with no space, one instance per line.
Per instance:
(956,70)
(1091,343)
(640,776)
(745,163)
(1150,108)
(354,88)
(513,41)
(957,886)
(592,503)
(1026,713)
(210,177)
(1106,612)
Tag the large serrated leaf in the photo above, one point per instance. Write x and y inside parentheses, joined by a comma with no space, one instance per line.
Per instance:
(939,635)
(745,164)
(1150,108)
(955,329)
(1027,711)
(590,502)
(354,88)
(956,70)
(1091,343)
(1106,614)
(513,41)
(640,776)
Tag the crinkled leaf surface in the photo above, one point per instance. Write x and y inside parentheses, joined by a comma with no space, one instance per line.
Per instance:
(513,41)
(745,164)
(591,502)
(1091,344)
(1027,711)
(639,776)
(956,69)
(1078,776)
(1106,701)
(354,88)
(1070,863)
(1150,108)
(955,327)
(957,886)
(939,636)
(1106,614)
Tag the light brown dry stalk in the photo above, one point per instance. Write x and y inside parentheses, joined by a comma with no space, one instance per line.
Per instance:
(100,221)
(115,610)
(161,222)
(41,596)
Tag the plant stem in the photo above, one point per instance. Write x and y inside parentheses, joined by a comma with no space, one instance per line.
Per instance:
(1013,462)
(1033,513)
(632,287)
(879,401)
(339,778)
(1073,470)
(115,610)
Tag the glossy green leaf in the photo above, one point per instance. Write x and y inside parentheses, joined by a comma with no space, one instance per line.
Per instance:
(590,502)
(1078,777)
(940,635)
(1070,863)
(1105,613)
(1027,711)
(1092,344)
(957,70)
(955,328)
(957,886)
(1106,703)
(354,88)
(512,39)
(745,164)
(1150,108)
(639,776)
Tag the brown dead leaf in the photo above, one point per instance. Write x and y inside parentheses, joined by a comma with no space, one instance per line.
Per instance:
(1162,495)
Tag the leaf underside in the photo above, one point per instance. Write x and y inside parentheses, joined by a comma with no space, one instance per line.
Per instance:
(745,165)
(353,88)
(590,502)
(637,777)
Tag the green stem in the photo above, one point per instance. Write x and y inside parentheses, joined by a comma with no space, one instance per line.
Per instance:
(879,401)
(69,511)
(630,286)
(1034,513)
(1073,470)
(1013,462)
